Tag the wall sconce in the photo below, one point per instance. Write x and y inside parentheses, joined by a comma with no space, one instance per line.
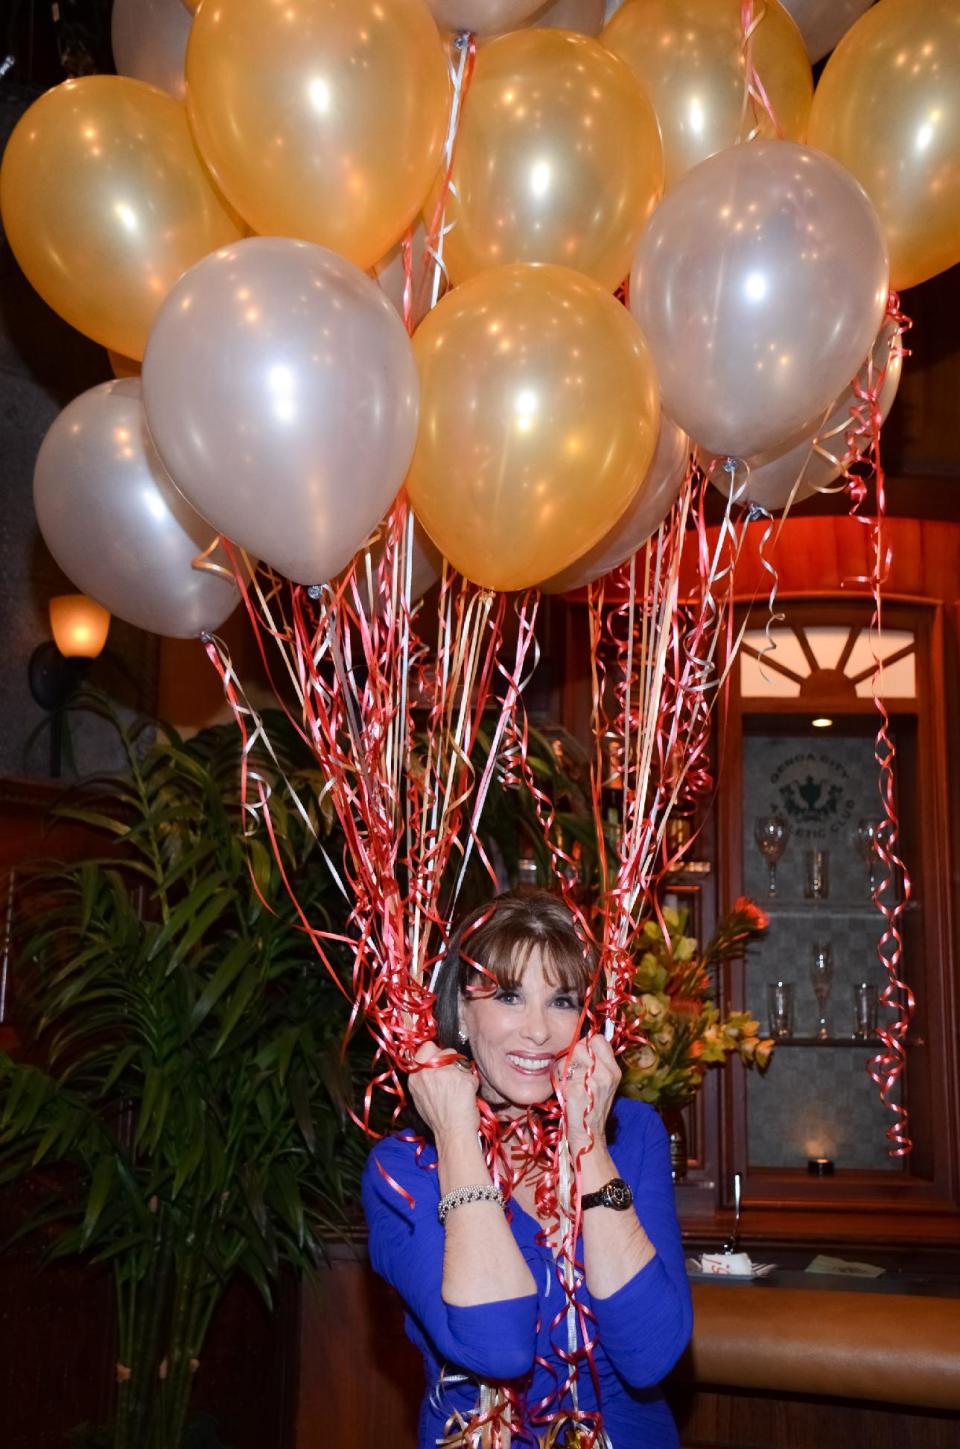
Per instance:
(79,625)
(57,666)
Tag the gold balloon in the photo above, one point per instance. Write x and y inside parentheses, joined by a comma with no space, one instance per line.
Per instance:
(324,122)
(888,108)
(106,202)
(539,411)
(123,366)
(558,159)
(690,56)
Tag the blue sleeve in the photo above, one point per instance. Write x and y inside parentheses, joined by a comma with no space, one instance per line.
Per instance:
(494,1341)
(645,1326)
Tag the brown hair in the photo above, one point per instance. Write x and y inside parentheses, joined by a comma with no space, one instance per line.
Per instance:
(491,947)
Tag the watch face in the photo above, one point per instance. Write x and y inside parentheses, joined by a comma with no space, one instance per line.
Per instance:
(617,1194)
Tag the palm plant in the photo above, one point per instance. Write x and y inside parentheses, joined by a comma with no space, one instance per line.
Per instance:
(184,1078)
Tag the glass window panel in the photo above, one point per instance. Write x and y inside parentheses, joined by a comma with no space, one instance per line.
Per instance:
(787,651)
(827,643)
(867,648)
(897,680)
(757,679)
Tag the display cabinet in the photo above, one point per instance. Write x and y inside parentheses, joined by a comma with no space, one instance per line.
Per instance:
(798,799)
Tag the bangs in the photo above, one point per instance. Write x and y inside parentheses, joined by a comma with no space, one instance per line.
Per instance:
(498,951)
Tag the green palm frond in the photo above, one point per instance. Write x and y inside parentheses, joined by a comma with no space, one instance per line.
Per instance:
(183,1093)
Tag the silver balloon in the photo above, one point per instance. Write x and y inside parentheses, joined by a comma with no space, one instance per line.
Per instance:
(653,501)
(823,22)
(149,40)
(484,17)
(582,16)
(772,480)
(426,563)
(760,283)
(282,395)
(115,523)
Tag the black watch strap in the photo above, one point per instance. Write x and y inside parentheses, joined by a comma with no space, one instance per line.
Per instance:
(615,1194)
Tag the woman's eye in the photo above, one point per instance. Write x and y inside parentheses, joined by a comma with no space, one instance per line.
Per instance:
(507,994)
(569,1003)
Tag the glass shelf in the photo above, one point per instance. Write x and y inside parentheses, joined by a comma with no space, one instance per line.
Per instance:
(834,912)
(872,1043)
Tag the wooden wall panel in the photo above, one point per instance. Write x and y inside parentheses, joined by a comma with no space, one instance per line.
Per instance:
(361,1380)
(727,1419)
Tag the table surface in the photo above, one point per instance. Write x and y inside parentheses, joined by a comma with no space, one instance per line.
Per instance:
(924,1285)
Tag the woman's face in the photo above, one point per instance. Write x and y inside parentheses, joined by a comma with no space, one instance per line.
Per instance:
(517,1034)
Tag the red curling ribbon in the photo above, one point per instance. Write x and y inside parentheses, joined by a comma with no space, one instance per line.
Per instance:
(894,889)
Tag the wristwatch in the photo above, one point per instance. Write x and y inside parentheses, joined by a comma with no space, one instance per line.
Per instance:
(615,1194)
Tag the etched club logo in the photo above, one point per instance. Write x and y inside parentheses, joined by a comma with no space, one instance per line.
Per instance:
(814,792)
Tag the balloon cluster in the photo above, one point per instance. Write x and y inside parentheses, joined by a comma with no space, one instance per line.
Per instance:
(251,203)
(375,252)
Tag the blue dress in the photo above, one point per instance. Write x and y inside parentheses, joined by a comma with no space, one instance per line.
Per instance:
(642,1329)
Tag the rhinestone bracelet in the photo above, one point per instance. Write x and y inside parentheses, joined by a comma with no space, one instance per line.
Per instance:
(480,1192)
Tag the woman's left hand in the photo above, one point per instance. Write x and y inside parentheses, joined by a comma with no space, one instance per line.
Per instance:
(589,1086)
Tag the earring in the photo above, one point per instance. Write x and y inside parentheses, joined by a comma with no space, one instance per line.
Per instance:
(462,1037)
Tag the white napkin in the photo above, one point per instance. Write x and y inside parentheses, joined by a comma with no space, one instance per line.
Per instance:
(729,1265)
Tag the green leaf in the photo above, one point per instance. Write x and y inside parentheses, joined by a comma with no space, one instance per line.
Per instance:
(240,1000)
(229,968)
(192,1156)
(187,911)
(97,1198)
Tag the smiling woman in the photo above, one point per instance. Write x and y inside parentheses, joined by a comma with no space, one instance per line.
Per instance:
(478,1274)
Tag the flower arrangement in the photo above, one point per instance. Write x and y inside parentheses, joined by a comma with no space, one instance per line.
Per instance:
(680,1029)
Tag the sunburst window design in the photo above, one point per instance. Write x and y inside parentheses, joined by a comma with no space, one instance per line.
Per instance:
(828,660)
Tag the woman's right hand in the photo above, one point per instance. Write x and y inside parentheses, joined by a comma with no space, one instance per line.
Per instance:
(446,1096)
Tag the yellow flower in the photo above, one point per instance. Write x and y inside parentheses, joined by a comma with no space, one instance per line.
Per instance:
(653,1006)
(762,1055)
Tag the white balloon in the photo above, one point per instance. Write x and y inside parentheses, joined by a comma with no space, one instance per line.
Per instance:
(149,39)
(115,523)
(642,517)
(583,16)
(823,22)
(484,17)
(759,282)
(282,395)
(426,563)
(813,464)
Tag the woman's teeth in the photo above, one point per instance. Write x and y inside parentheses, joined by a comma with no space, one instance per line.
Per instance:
(532,1065)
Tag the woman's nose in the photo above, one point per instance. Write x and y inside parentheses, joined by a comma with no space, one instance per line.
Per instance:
(535,1027)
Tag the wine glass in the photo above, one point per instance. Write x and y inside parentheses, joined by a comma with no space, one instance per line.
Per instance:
(866,842)
(771,833)
(821,976)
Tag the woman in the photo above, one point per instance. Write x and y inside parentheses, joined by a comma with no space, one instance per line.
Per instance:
(478,1279)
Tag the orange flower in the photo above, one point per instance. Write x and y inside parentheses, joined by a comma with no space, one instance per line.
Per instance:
(756,917)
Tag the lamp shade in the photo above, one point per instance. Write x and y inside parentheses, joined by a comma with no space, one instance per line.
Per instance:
(79,625)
